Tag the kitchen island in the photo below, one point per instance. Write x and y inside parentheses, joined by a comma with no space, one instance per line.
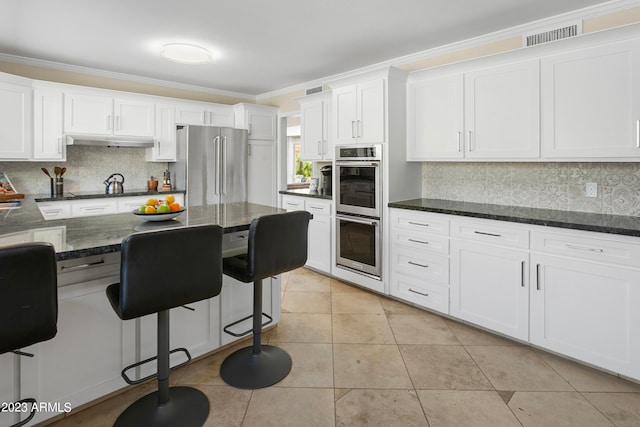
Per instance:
(83,361)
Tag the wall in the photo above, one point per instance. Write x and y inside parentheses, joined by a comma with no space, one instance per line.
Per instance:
(539,185)
(87,168)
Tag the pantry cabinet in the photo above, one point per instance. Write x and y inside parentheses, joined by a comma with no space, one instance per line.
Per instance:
(591,103)
(359,113)
(261,172)
(16,120)
(258,120)
(314,127)
(490,276)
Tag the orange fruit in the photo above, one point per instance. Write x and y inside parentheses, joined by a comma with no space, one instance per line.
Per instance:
(175,206)
(170,199)
(150,210)
(152,202)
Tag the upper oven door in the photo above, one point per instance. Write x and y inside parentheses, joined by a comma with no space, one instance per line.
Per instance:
(359,190)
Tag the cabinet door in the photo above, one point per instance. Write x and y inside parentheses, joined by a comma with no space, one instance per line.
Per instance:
(591,103)
(164,149)
(134,118)
(319,246)
(502,111)
(191,114)
(90,114)
(236,302)
(588,311)
(312,129)
(220,115)
(8,386)
(344,108)
(435,122)
(489,287)
(47,125)
(261,173)
(262,125)
(83,361)
(370,127)
(15,121)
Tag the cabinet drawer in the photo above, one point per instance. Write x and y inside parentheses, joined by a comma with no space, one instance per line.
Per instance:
(318,207)
(420,222)
(589,247)
(100,207)
(420,241)
(491,232)
(422,265)
(292,203)
(54,210)
(420,292)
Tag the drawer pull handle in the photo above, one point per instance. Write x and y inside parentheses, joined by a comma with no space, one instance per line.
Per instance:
(418,223)
(318,208)
(418,265)
(418,241)
(538,277)
(77,267)
(522,275)
(584,248)
(419,293)
(484,233)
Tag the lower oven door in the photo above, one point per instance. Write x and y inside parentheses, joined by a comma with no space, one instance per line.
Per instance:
(359,244)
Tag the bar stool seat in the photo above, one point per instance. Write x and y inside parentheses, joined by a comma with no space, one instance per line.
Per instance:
(161,270)
(277,243)
(29,303)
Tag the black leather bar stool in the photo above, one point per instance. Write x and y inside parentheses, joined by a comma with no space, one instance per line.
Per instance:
(29,304)
(161,270)
(277,243)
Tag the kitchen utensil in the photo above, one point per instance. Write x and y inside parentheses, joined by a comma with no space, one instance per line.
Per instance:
(57,170)
(64,169)
(46,172)
(113,186)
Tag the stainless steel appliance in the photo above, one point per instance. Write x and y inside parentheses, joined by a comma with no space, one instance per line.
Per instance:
(359,208)
(211,164)
(326,183)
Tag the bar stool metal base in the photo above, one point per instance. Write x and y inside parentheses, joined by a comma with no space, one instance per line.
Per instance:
(186,407)
(246,370)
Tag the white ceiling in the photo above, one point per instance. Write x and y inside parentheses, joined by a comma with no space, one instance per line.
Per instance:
(264,45)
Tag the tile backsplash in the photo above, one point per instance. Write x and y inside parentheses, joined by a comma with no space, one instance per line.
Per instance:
(87,168)
(558,186)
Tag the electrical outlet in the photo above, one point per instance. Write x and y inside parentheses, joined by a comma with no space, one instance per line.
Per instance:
(591,189)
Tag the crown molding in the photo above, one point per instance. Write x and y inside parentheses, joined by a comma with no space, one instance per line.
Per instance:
(121,76)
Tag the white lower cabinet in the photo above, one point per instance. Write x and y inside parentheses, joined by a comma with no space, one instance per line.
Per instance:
(584,309)
(8,387)
(319,244)
(420,259)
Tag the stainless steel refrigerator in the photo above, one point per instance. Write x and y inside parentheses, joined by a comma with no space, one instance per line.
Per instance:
(211,164)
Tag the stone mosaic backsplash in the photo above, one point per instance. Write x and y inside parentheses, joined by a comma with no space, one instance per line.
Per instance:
(538,185)
(87,168)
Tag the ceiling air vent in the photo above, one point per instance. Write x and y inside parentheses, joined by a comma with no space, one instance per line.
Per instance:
(560,33)
(313,90)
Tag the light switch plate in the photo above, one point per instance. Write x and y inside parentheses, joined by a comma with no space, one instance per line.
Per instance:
(591,189)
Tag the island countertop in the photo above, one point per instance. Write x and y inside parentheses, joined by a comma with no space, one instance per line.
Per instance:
(101,234)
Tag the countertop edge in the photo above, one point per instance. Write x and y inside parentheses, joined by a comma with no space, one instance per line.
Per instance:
(584,225)
(305,193)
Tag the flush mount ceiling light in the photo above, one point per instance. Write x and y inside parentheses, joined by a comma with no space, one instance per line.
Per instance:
(186,53)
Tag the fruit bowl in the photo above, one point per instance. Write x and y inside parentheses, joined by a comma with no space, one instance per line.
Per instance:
(158,216)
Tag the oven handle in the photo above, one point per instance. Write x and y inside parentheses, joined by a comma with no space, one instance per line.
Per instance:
(358,163)
(373,223)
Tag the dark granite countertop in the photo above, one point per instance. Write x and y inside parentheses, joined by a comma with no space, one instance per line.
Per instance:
(104,233)
(304,192)
(612,224)
(94,195)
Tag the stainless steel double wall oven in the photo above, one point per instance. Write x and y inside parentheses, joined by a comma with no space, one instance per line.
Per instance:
(359,208)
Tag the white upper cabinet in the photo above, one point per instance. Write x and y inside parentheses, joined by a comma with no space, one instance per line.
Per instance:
(204,114)
(48,141)
(591,103)
(359,113)
(502,112)
(16,124)
(164,148)
(490,114)
(86,113)
(258,120)
(314,127)
(435,118)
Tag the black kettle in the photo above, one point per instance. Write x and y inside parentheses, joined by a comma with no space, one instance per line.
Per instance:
(113,186)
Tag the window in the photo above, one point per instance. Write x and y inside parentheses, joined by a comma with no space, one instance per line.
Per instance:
(298,171)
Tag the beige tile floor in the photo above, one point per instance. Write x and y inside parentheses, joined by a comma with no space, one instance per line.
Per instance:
(362,359)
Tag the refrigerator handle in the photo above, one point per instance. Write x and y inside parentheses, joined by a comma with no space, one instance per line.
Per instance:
(223,169)
(216,161)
